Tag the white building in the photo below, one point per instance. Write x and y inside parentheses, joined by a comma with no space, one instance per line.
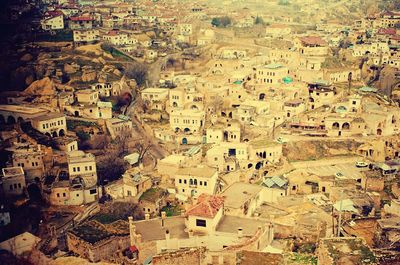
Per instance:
(52,124)
(194,181)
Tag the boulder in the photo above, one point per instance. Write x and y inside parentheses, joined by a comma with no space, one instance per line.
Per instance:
(43,87)
(27,57)
(88,76)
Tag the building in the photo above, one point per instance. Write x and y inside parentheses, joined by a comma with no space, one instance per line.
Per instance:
(53,21)
(187,121)
(196,180)
(52,124)
(80,22)
(204,216)
(96,242)
(86,36)
(13,181)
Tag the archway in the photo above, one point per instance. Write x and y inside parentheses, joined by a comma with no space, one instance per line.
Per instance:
(20,120)
(47,134)
(259,165)
(10,120)
(184,141)
(379,132)
(76,113)
(261,96)
(335,126)
(186,130)
(61,133)
(54,134)
(250,165)
(34,192)
(346,126)
(174,104)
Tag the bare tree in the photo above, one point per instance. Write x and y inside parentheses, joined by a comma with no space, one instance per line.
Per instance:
(137,71)
(142,149)
(122,141)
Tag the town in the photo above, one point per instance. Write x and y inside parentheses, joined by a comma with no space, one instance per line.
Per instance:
(233,132)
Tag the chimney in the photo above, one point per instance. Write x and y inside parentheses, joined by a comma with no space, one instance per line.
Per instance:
(132,229)
(147,216)
(167,235)
(240,232)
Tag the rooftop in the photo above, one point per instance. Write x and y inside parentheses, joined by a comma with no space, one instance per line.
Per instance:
(49,116)
(94,231)
(207,206)
(199,171)
(230,224)
(12,171)
(153,229)
(239,193)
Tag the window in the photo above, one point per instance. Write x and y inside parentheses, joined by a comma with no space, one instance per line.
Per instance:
(11,187)
(58,195)
(64,195)
(184,181)
(86,168)
(90,167)
(205,183)
(183,190)
(200,222)
(77,195)
(74,169)
(93,191)
(201,182)
(19,185)
(180,180)
(129,193)
(78,168)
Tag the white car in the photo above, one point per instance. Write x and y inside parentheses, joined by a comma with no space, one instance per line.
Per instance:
(362,164)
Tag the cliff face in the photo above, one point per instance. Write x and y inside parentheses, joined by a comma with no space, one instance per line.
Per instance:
(312,150)
(43,87)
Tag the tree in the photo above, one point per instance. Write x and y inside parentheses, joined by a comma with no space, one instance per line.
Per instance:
(137,71)
(259,21)
(122,141)
(216,22)
(142,149)
(221,21)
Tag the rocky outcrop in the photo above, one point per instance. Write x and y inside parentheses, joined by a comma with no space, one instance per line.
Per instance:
(43,87)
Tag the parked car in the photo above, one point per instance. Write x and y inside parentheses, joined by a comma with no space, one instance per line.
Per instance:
(362,164)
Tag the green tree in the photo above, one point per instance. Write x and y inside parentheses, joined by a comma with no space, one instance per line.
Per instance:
(259,21)
(216,22)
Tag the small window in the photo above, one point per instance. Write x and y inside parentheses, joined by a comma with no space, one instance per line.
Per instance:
(64,195)
(77,195)
(180,180)
(201,223)
(93,191)
(205,183)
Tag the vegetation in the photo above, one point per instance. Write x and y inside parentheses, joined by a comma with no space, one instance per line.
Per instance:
(221,22)
(259,21)
(137,71)
(283,2)
(83,136)
(171,210)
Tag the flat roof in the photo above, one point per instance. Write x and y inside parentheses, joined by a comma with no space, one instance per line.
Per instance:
(239,193)
(22,109)
(230,224)
(152,229)
(49,116)
(199,171)
(12,171)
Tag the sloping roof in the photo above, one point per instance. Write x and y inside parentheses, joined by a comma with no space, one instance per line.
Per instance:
(275,181)
(207,206)
(346,205)
(192,151)
(132,158)
(313,40)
